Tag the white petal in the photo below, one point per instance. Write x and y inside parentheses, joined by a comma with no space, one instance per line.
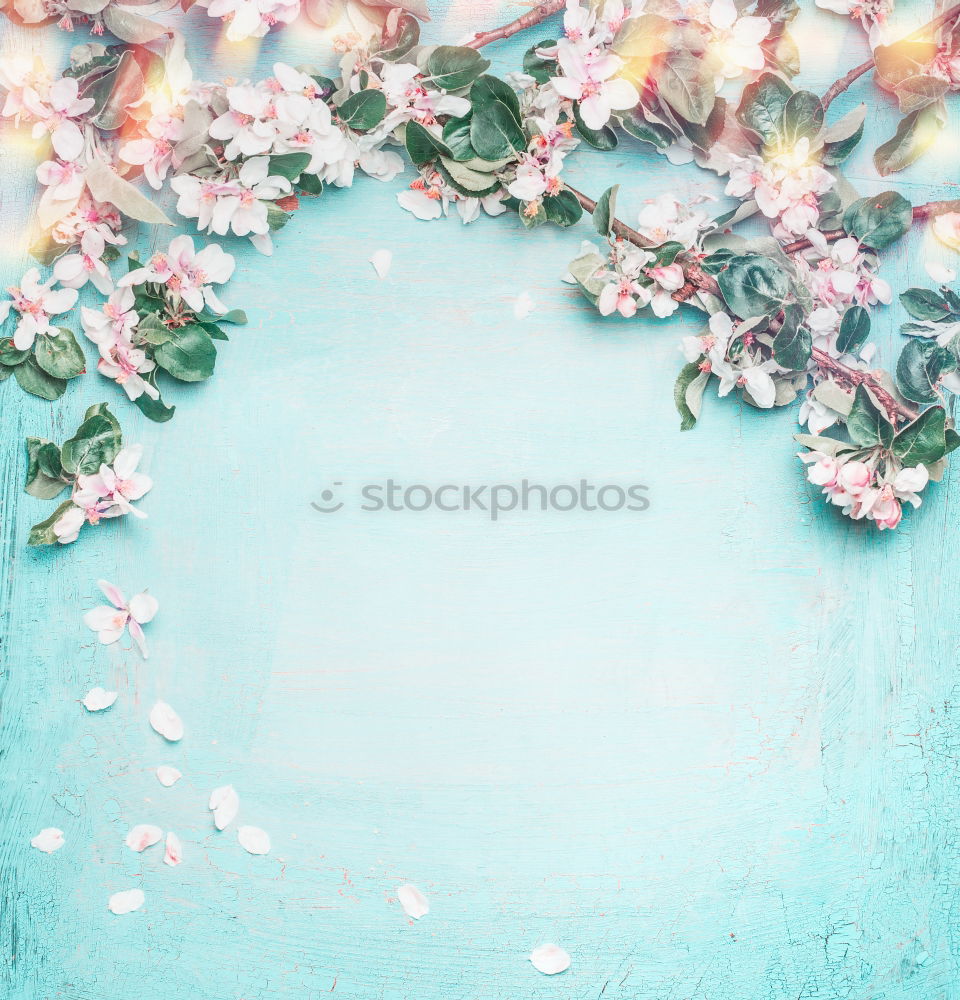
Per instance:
(143,836)
(225,803)
(166,722)
(48,840)
(549,959)
(253,840)
(143,607)
(413,901)
(97,699)
(381,260)
(940,273)
(126,901)
(168,776)
(173,852)
(523,306)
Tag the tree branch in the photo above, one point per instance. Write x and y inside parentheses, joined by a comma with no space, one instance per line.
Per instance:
(696,278)
(854,377)
(534,16)
(841,85)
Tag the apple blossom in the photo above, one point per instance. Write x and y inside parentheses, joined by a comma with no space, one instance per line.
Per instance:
(110,621)
(36,302)
(590,78)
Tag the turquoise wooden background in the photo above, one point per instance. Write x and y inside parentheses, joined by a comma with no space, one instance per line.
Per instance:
(710,749)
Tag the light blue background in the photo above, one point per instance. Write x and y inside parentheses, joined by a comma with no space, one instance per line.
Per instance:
(710,749)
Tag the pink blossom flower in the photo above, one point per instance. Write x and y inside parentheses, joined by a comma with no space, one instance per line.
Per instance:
(76,269)
(36,302)
(589,77)
(109,621)
(54,112)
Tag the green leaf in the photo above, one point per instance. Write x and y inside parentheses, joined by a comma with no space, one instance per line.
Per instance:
(921,303)
(114,92)
(924,441)
(43,469)
(42,533)
(495,130)
(793,343)
(916,92)
(600,138)
(921,365)
(106,184)
(633,123)
(456,136)
(235,316)
(466,180)
(688,393)
(762,107)
(754,286)
(802,117)
(452,67)
(288,165)
(33,379)
(686,83)
(310,183)
(60,356)
(152,330)
(403,39)
(363,111)
(879,220)
(189,355)
(96,443)
(154,409)
(867,424)
(536,66)
(606,210)
(914,136)
(9,355)
(563,208)
(854,330)
(421,145)
(131,27)
(834,153)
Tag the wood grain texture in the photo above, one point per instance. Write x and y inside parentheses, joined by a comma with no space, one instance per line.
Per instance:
(710,749)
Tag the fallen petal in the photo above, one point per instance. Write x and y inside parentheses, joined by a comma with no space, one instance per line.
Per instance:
(168,776)
(523,306)
(166,722)
(549,959)
(253,840)
(225,803)
(97,699)
(940,273)
(413,901)
(173,854)
(381,260)
(126,901)
(48,840)
(143,836)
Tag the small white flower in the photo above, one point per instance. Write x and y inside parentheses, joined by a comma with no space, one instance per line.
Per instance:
(110,621)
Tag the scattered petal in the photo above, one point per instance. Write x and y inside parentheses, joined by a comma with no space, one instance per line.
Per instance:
(173,854)
(940,273)
(126,901)
(381,260)
(413,901)
(523,306)
(253,840)
(549,959)
(97,699)
(168,776)
(225,803)
(143,836)
(166,722)
(48,840)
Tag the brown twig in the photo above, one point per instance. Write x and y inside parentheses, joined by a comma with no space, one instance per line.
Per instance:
(854,377)
(697,278)
(533,16)
(841,85)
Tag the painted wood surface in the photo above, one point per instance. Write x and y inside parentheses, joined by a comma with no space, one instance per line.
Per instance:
(710,748)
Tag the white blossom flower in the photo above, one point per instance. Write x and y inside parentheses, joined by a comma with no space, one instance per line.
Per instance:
(75,269)
(110,621)
(36,302)
(736,40)
(590,78)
